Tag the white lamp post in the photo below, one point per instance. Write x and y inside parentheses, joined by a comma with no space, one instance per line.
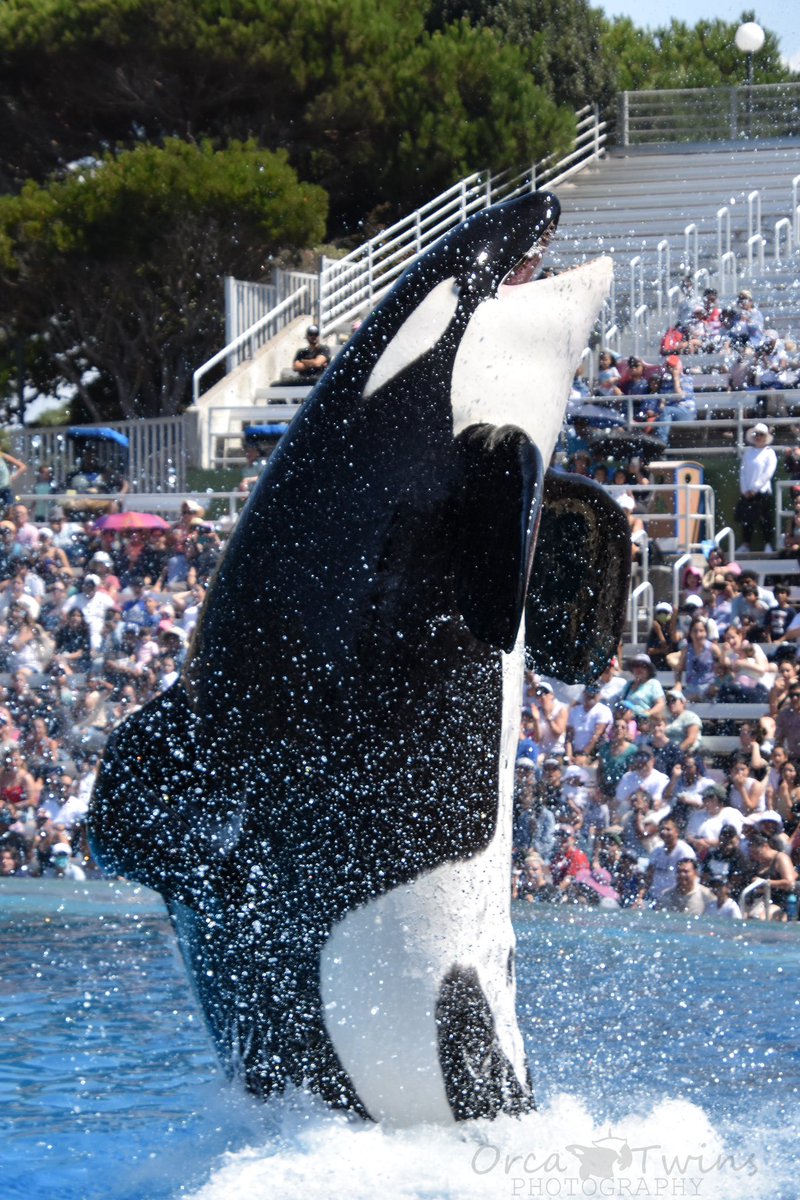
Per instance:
(749,40)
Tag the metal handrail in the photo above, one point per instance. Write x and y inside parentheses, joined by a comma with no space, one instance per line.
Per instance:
(782,223)
(691,238)
(643,590)
(246,336)
(753,887)
(723,245)
(726,534)
(677,568)
(755,240)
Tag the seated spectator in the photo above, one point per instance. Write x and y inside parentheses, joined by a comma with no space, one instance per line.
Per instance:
(753,614)
(628,879)
(612,683)
(745,793)
(684,793)
(553,715)
(746,668)
(785,797)
(312,359)
(776,866)
(73,641)
(660,874)
(728,862)
(533,881)
(680,404)
(644,695)
(781,615)
(684,727)
(687,895)
(615,757)
(724,905)
(695,672)
(663,638)
(703,829)
(587,724)
(643,777)
(635,382)
(666,754)
(567,861)
(787,724)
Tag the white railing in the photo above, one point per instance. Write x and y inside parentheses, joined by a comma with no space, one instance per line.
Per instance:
(641,597)
(658,117)
(260,332)
(246,303)
(353,284)
(348,286)
(164,504)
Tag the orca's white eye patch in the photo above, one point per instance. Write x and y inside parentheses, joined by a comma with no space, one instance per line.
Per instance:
(418,334)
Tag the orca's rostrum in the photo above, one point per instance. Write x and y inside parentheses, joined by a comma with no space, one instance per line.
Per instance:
(324,798)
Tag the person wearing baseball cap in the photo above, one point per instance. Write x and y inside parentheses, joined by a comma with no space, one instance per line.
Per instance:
(312,359)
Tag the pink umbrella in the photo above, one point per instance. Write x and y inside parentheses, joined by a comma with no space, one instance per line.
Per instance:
(131,520)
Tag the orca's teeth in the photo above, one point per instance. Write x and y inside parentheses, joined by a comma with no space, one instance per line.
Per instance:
(526,269)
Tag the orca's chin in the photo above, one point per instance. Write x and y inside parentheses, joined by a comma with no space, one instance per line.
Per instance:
(527,268)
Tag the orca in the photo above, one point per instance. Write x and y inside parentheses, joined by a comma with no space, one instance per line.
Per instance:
(324,797)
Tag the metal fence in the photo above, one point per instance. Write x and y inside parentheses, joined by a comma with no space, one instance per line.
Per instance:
(750,113)
(159,451)
(247,304)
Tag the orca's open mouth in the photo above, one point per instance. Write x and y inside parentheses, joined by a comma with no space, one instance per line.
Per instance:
(528,266)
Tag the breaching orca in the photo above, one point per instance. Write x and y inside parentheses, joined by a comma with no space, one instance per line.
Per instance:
(324,798)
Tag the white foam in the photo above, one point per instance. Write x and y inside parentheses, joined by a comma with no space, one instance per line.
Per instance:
(671,1150)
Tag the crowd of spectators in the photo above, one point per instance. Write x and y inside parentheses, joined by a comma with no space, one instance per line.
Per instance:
(93,624)
(718,349)
(617,789)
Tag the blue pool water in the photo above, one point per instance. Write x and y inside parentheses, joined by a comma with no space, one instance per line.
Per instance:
(666,1057)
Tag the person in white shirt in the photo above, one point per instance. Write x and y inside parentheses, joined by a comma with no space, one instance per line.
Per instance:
(754,507)
(587,723)
(703,828)
(660,874)
(94,605)
(642,776)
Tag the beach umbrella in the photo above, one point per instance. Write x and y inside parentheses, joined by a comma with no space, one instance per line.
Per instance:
(128,521)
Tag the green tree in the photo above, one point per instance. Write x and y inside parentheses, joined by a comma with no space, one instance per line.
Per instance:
(456,102)
(117,266)
(685,56)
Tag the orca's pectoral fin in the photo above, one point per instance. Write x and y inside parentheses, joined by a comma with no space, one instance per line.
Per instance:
(478,1078)
(575,609)
(500,497)
(145,815)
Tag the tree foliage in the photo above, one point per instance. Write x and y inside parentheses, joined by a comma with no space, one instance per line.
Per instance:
(678,55)
(117,266)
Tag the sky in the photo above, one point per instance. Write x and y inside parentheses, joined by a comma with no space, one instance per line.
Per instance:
(781,17)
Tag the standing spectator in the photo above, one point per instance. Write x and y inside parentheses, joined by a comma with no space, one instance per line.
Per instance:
(754,507)
(9,477)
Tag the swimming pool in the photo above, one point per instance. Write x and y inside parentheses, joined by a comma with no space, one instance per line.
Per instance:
(658,1047)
